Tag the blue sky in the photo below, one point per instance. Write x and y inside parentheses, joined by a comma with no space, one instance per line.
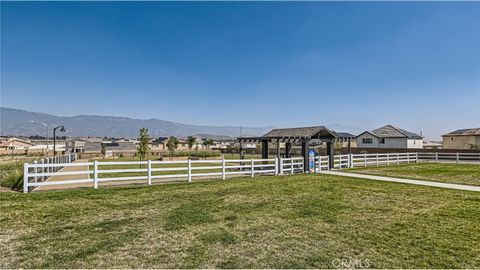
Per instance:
(413,65)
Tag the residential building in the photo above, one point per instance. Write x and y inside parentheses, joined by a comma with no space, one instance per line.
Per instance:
(14,143)
(75,146)
(389,137)
(462,139)
(432,145)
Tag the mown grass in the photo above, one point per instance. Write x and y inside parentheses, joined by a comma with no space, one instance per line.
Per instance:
(440,172)
(300,221)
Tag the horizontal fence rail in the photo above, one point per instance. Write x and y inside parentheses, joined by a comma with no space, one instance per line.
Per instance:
(41,169)
(97,171)
(61,171)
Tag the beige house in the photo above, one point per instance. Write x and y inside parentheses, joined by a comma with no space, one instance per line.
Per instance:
(13,143)
(462,139)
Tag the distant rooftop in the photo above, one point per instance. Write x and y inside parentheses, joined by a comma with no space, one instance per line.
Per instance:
(464,132)
(390,131)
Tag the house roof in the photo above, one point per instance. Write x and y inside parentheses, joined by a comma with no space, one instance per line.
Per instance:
(390,131)
(296,135)
(464,132)
(301,132)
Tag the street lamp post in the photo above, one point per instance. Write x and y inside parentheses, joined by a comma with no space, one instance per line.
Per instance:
(62,129)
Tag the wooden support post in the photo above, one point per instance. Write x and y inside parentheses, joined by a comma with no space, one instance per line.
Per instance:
(291,165)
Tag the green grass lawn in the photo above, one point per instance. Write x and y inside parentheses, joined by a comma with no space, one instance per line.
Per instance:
(440,172)
(299,221)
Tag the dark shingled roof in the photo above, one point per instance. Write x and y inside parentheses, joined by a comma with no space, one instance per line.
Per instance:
(464,132)
(304,132)
(346,135)
(390,131)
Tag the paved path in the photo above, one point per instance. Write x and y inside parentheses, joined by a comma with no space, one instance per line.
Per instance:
(405,181)
(82,174)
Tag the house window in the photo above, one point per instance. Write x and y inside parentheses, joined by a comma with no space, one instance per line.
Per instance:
(367,141)
(382,140)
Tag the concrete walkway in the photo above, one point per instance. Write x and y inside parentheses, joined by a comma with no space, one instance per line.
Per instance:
(82,174)
(405,181)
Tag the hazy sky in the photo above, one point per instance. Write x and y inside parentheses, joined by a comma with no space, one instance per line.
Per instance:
(413,65)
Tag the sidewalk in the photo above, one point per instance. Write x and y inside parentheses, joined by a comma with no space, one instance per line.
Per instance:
(82,174)
(405,181)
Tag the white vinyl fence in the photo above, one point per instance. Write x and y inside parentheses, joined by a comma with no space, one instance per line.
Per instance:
(450,157)
(41,168)
(61,171)
(364,160)
(148,171)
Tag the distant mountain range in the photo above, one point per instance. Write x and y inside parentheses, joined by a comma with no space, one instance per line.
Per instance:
(25,123)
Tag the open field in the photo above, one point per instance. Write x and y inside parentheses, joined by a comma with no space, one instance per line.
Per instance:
(268,222)
(468,174)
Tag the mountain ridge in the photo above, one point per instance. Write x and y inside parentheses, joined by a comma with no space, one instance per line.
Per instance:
(26,123)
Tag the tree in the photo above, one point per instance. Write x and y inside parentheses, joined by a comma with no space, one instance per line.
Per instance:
(191,141)
(208,143)
(103,150)
(474,146)
(143,146)
(172,144)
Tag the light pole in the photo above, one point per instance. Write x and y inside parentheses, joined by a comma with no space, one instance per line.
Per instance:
(46,133)
(62,129)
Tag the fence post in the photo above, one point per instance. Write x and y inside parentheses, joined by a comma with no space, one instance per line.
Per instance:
(189,162)
(319,163)
(253,168)
(69,158)
(149,172)
(408,157)
(364,160)
(398,158)
(35,171)
(291,165)
(458,158)
(95,174)
(281,166)
(376,159)
(388,159)
(25,178)
(276,166)
(416,157)
(42,170)
(223,167)
(340,162)
(436,157)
